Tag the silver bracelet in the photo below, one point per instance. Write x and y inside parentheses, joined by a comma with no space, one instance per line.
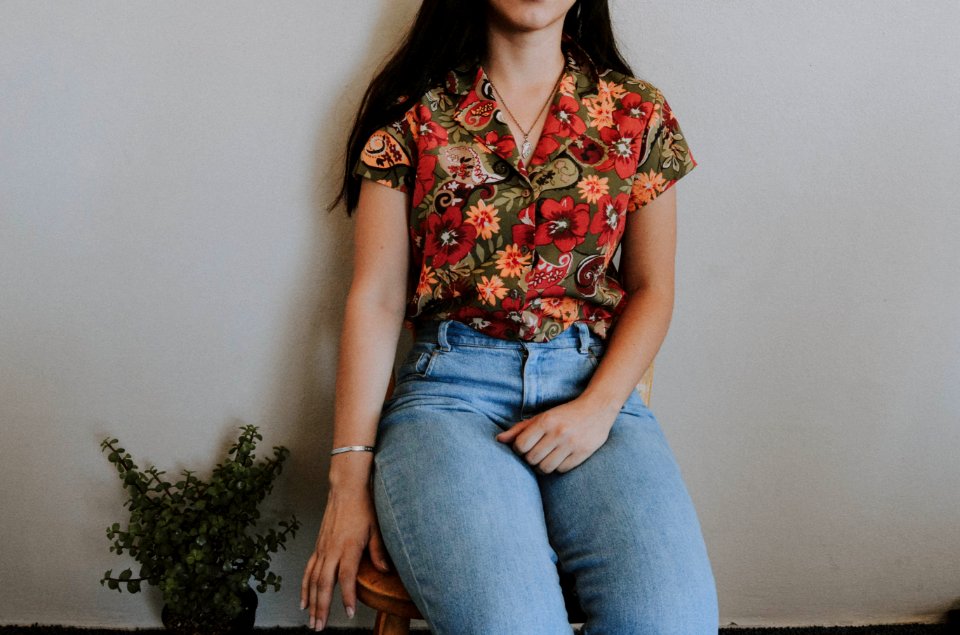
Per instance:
(354,448)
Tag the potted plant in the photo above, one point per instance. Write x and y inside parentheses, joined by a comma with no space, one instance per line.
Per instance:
(191,537)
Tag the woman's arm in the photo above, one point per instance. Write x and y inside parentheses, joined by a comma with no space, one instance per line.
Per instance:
(647,268)
(371,328)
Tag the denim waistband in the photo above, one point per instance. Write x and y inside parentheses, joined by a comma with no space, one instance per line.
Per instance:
(451,332)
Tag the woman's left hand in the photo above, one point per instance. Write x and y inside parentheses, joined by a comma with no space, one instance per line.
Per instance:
(562,437)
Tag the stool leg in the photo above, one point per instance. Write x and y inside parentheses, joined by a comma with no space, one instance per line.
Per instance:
(387,624)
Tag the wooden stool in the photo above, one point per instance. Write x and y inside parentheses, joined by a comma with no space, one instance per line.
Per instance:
(385,593)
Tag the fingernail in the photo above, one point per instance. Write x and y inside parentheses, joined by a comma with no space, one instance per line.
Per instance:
(313,622)
(303,605)
(350,612)
(320,624)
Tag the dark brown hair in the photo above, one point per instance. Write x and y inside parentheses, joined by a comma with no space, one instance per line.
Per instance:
(445,34)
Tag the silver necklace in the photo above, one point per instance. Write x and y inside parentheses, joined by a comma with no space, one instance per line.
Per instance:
(526,147)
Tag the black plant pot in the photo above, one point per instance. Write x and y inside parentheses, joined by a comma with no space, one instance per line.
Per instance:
(240,625)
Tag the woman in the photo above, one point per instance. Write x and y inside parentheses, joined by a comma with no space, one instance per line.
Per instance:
(518,153)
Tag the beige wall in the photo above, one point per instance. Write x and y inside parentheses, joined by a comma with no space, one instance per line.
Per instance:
(167,273)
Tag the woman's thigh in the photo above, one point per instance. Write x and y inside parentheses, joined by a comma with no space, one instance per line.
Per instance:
(462,519)
(623,524)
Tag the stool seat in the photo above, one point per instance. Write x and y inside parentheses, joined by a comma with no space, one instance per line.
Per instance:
(385,593)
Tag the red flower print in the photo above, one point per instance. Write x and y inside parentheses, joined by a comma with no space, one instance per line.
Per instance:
(425,178)
(512,303)
(522,232)
(634,107)
(565,223)
(427,133)
(562,122)
(624,141)
(491,322)
(667,113)
(502,145)
(449,239)
(607,222)
(553,291)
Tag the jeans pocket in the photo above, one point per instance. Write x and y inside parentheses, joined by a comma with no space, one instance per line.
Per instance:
(418,363)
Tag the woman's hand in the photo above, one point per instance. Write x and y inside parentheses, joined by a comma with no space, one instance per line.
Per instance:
(562,437)
(349,525)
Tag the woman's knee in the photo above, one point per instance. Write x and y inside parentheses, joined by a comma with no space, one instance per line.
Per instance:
(479,562)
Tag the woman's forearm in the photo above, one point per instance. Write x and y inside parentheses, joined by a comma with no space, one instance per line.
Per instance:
(368,344)
(632,345)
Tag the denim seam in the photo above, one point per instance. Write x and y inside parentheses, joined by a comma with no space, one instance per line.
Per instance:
(403,546)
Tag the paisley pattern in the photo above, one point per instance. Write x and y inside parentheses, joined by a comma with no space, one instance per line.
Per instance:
(523,251)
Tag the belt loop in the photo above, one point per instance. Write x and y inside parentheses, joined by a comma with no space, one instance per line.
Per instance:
(584,333)
(442,342)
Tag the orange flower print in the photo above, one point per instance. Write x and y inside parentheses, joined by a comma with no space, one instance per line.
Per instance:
(563,308)
(600,110)
(511,262)
(491,289)
(610,90)
(646,187)
(427,280)
(592,187)
(485,218)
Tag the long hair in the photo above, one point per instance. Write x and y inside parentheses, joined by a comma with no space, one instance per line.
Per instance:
(445,34)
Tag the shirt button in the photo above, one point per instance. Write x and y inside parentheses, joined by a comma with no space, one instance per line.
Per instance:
(525,193)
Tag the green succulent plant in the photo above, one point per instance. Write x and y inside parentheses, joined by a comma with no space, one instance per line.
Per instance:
(191,537)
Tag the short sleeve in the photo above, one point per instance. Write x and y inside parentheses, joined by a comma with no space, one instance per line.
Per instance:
(665,158)
(388,156)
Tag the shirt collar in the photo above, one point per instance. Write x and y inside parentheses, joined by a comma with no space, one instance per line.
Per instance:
(474,109)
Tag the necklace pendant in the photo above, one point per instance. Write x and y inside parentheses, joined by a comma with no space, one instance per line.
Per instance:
(525,149)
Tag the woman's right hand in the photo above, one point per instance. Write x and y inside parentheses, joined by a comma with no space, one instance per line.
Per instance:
(349,525)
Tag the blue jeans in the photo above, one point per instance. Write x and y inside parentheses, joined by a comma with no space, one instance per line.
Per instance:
(477,535)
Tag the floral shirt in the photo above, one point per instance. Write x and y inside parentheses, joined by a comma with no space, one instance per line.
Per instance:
(522,251)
